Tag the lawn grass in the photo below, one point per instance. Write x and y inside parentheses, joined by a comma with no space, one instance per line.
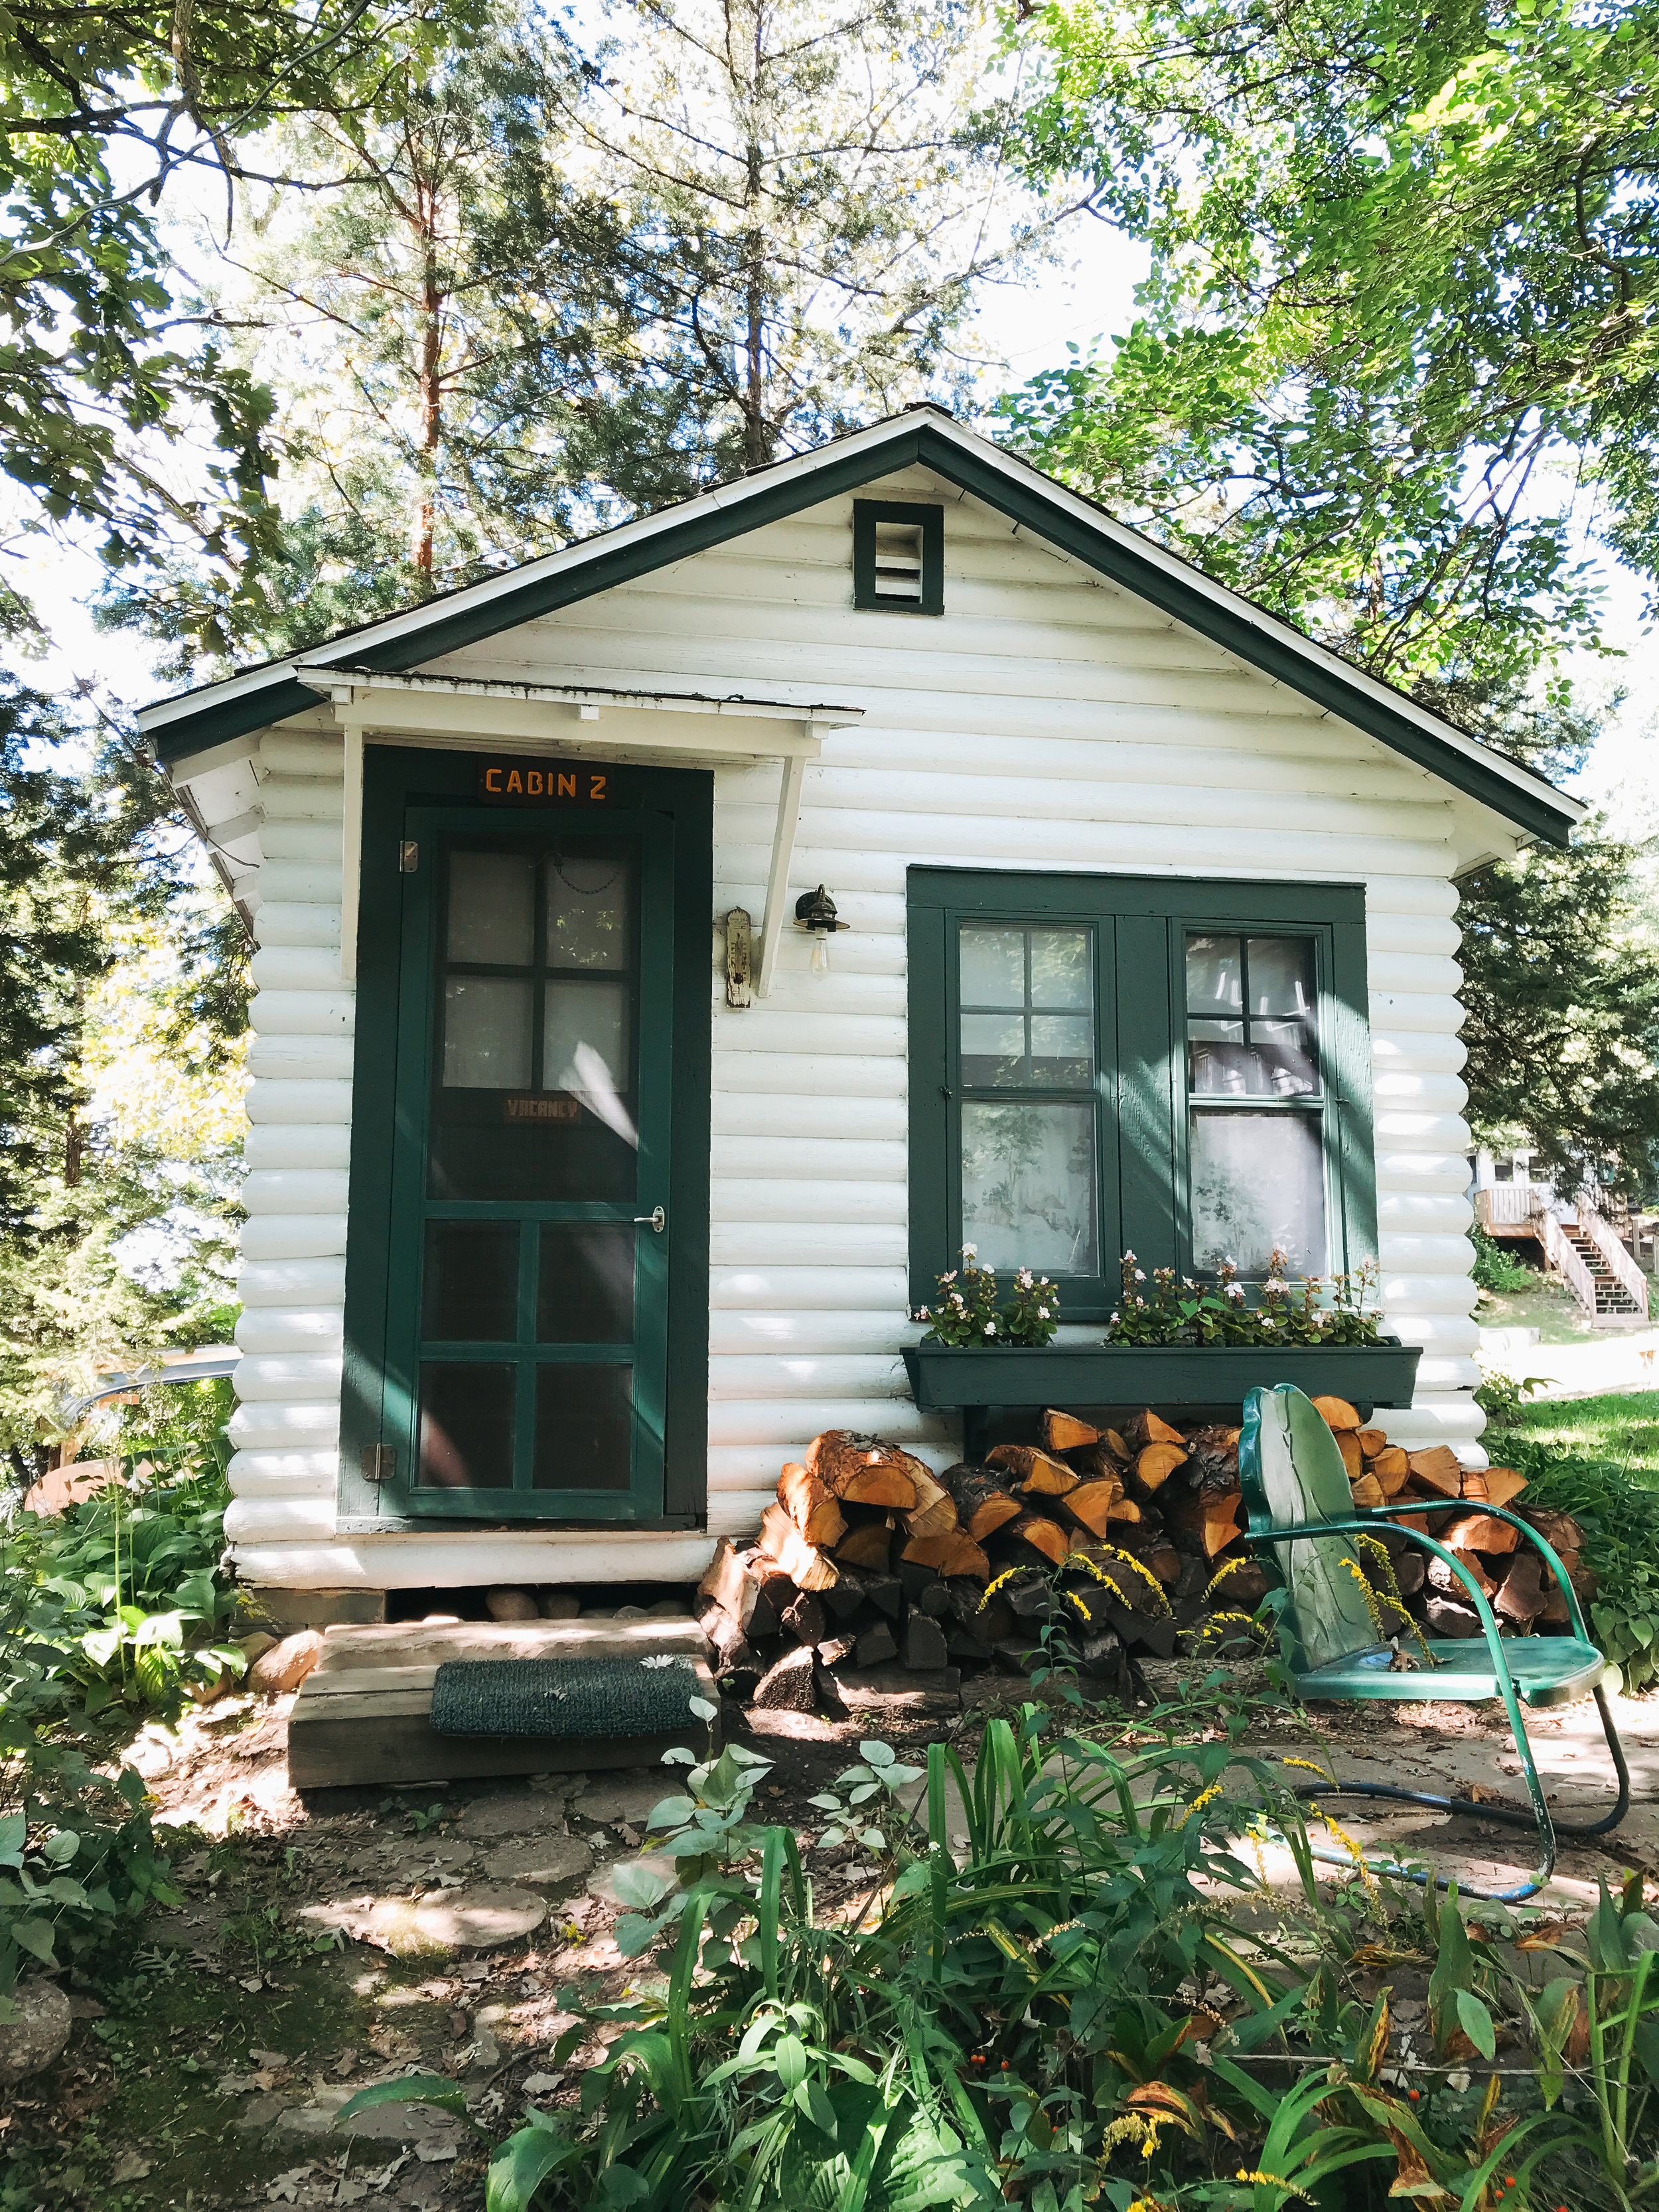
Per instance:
(1546,1305)
(1620,1425)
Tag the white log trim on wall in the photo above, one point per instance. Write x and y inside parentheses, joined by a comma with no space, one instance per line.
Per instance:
(1046,721)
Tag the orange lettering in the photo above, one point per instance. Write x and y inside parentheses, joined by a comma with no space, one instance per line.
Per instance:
(596,788)
(533,782)
(567,787)
(515,783)
(492,779)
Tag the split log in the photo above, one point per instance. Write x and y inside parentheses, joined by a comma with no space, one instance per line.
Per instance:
(730,1643)
(1064,1432)
(1128,1511)
(807,1567)
(1368,1492)
(1096,1505)
(1150,1428)
(923,1589)
(868,1546)
(1441,1577)
(1213,1522)
(1558,1530)
(1446,1617)
(951,1554)
(982,1502)
(1114,1442)
(1373,1441)
(1337,1413)
(1213,1453)
(1353,1460)
(875,1644)
(1438,1468)
(752,1588)
(836,1650)
(1036,1473)
(811,1506)
(1392,1469)
(865,1586)
(1032,1533)
(1156,1462)
(863,1469)
(925,1647)
(1494,1485)
(1521,1597)
(806,1619)
(1408,1572)
(934,1512)
(1478,1532)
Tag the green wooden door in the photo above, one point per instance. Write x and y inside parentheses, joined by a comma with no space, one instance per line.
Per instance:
(532,1218)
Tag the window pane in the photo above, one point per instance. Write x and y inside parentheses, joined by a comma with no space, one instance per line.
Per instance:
(1028,1186)
(1281,974)
(584,1427)
(993,1047)
(492,907)
(1062,1050)
(487,1022)
(1214,976)
(1258,1183)
(469,1290)
(993,967)
(588,904)
(466,1427)
(585,1039)
(1286,1050)
(1059,968)
(587,1289)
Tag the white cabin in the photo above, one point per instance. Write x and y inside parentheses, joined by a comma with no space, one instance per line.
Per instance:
(1052,778)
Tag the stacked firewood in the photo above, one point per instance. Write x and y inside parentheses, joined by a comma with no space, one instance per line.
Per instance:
(869,1561)
(1509,1573)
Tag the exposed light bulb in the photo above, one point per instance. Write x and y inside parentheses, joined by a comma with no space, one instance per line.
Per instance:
(820,956)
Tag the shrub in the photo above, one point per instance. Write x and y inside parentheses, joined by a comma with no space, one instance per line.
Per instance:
(1620,1520)
(1493,1269)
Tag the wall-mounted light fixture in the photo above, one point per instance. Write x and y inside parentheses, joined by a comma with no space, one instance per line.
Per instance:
(815,912)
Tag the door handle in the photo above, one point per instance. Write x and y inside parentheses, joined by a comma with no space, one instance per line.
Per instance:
(656,1219)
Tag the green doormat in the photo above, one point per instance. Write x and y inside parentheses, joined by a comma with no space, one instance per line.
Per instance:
(564,1696)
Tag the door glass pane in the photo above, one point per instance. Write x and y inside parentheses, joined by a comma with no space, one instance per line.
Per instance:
(584,1427)
(588,910)
(1028,1185)
(492,908)
(1215,979)
(1059,968)
(585,1039)
(993,967)
(469,1291)
(585,1294)
(466,1427)
(1258,1184)
(1281,974)
(487,1027)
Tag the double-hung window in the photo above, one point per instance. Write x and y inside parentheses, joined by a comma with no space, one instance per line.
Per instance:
(1109,1062)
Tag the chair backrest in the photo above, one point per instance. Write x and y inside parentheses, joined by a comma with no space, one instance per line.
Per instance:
(1291,1471)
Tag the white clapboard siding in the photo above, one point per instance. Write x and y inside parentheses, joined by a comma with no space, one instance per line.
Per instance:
(1046,720)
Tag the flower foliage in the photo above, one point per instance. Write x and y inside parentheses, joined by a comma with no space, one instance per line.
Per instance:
(1171,1309)
(967,1312)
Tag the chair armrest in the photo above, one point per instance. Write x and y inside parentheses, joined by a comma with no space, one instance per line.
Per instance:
(1493,1513)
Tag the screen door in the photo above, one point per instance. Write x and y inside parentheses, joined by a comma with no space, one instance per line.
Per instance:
(531,1211)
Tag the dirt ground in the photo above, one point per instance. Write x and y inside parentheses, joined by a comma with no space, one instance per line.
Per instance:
(329,1943)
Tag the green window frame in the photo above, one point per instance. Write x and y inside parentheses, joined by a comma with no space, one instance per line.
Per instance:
(1139,1090)
(876,583)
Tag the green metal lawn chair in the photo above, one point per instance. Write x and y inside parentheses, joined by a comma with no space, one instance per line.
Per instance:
(1301,1511)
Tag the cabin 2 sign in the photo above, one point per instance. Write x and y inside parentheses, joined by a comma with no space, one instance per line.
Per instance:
(515,783)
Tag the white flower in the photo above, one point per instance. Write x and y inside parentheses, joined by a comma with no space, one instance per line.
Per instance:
(1268,1321)
(1236,1292)
(1141,1274)
(1024,1279)
(1042,1313)
(990,1328)
(922,1314)
(1129,1255)
(1273,1288)
(1115,1317)
(951,1278)
(970,1251)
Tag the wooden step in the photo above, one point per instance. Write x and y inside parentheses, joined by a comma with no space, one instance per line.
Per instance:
(364,1714)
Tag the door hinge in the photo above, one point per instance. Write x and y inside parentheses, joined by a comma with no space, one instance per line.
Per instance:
(379,1463)
(409,856)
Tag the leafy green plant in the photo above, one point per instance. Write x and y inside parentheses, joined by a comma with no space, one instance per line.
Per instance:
(967,1312)
(1619,1517)
(1176,1310)
(1493,1269)
(1501,1398)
